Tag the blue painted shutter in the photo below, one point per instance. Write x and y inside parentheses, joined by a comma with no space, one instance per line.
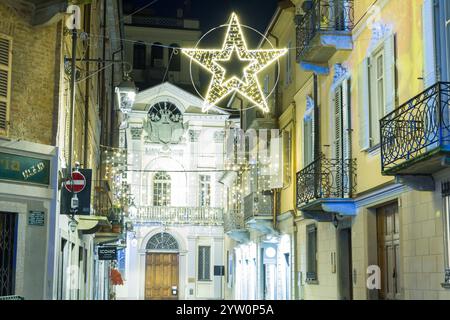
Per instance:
(364,105)
(429,44)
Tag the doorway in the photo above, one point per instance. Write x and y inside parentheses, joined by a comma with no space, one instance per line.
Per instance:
(161,275)
(8,233)
(388,241)
(162,268)
(345,264)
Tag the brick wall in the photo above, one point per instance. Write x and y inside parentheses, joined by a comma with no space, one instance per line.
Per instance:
(33,77)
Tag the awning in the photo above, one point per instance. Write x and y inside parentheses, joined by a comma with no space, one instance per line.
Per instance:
(92,224)
(106,237)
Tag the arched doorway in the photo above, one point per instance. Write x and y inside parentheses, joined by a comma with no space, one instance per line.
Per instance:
(162,267)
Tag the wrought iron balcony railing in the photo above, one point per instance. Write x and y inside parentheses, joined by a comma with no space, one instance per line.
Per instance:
(180,215)
(233,220)
(417,129)
(326,179)
(327,16)
(258,204)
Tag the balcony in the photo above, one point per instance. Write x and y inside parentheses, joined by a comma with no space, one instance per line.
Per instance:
(327,186)
(415,138)
(200,216)
(234,225)
(258,211)
(325,28)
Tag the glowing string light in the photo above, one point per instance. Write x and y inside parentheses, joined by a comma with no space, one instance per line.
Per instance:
(235,47)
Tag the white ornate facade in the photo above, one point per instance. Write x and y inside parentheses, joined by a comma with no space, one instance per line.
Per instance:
(175,161)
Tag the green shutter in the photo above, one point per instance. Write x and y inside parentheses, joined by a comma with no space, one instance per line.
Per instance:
(5,82)
(364,105)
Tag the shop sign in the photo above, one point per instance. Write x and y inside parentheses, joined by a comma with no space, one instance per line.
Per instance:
(107,253)
(24,169)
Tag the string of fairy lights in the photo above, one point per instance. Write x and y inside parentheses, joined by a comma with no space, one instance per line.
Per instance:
(250,178)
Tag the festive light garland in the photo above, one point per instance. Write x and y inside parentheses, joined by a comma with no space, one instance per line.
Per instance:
(234,46)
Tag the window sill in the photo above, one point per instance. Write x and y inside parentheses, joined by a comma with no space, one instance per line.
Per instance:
(312,282)
(375,150)
(206,281)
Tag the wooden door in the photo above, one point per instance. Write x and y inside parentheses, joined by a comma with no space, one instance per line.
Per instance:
(161,275)
(388,234)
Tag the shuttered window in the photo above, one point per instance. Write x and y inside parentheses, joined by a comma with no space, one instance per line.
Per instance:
(286,135)
(308,132)
(311,251)
(204,263)
(377,91)
(5,82)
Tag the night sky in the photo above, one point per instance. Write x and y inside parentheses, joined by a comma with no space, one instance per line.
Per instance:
(211,13)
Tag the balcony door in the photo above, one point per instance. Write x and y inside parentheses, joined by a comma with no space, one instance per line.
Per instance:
(388,237)
(341,136)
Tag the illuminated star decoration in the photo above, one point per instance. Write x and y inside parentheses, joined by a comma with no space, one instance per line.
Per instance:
(216,61)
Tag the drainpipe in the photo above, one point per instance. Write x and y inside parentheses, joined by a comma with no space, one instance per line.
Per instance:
(72,98)
(87,94)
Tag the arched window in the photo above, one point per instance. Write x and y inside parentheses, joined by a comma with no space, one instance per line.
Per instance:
(139,55)
(174,57)
(161,189)
(157,55)
(162,241)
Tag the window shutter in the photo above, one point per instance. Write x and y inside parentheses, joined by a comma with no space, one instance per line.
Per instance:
(346,118)
(308,134)
(5,82)
(390,72)
(429,44)
(337,124)
(364,105)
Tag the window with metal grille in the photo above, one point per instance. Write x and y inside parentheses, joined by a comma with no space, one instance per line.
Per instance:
(311,251)
(5,82)
(8,223)
(204,263)
(161,189)
(205,191)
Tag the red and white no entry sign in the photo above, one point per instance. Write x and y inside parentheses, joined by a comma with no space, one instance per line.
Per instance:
(78,182)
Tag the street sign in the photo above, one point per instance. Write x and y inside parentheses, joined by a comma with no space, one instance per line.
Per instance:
(77,184)
(83,198)
(107,253)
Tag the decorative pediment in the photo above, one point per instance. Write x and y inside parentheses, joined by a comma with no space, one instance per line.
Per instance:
(164,123)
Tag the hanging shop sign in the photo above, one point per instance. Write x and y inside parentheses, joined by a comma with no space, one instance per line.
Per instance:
(76,193)
(107,253)
(19,168)
(234,67)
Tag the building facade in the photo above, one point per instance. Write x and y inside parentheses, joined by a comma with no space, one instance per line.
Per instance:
(363,143)
(45,258)
(175,153)
(154,47)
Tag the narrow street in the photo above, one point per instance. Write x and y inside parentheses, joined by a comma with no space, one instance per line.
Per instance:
(224,151)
